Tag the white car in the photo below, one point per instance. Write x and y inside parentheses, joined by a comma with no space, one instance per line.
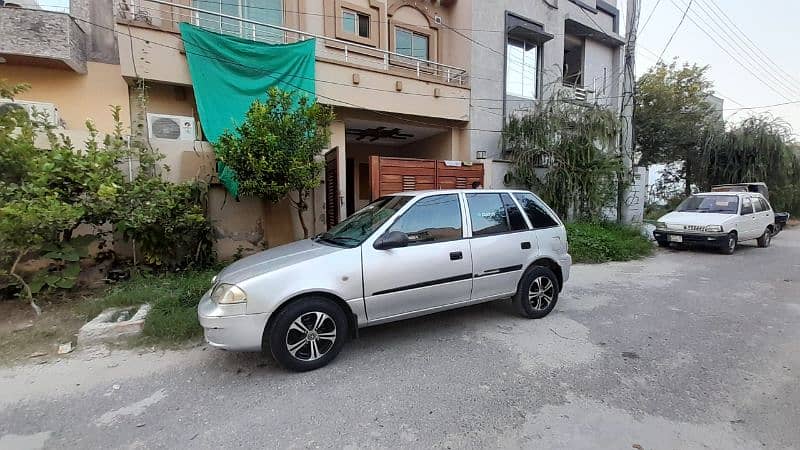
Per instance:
(718,219)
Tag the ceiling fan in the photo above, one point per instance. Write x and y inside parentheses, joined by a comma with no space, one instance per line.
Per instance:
(378,133)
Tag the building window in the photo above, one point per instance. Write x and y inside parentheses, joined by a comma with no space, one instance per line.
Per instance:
(409,43)
(355,23)
(268,12)
(522,68)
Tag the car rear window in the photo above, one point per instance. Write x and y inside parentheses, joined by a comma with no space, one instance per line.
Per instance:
(487,214)
(536,211)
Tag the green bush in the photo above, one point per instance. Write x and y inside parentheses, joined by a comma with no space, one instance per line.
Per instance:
(173,299)
(595,242)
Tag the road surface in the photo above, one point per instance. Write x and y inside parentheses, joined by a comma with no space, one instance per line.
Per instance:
(687,349)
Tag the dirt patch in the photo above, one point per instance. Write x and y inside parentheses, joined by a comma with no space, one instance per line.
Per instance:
(23,334)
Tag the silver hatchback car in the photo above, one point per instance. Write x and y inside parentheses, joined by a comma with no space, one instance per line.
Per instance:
(402,256)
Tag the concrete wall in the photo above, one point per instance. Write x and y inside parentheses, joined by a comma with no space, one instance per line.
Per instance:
(488,64)
(43,37)
(78,97)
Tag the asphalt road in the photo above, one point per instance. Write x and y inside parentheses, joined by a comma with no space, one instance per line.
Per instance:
(688,349)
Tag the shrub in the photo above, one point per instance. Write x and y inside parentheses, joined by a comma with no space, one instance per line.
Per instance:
(595,242)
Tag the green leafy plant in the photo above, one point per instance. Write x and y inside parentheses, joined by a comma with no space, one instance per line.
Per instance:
(276,151)
(596,242)
(565,152)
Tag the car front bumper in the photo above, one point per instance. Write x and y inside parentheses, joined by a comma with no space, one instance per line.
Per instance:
(706,239)
(229,328)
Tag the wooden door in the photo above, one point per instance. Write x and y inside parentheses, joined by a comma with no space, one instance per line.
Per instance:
(391,175)
(332,188)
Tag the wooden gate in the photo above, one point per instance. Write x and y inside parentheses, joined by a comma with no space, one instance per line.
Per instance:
(391,175)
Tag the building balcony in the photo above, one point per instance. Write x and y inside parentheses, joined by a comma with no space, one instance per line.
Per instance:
(43,38)
(166,15)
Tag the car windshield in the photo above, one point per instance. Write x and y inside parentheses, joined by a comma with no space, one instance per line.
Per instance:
(720,204)
(354,230)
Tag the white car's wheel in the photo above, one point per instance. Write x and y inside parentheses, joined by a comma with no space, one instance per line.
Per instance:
(730,245)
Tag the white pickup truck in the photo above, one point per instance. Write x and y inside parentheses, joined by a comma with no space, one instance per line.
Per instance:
(718,219)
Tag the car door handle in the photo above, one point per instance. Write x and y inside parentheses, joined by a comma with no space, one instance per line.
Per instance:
(525,245)
(456,256)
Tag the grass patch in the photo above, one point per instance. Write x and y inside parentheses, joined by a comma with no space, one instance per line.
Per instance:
(173,302)
(605,241)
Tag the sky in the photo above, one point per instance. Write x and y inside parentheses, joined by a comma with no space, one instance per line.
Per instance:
(772,56)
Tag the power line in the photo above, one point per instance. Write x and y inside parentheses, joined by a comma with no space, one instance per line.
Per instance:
(788,76)
(724,49)
(674,32)
(745,54)
(649,16)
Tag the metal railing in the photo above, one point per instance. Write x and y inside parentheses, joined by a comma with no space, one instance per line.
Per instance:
(167,15)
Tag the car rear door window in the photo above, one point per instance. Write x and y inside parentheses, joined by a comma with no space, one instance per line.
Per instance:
(757,206)
(431,219)
(515,219)
(488,214)
(536,211)
(764,204)
(747,206)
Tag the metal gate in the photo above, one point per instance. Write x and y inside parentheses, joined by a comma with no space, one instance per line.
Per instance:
(391,175)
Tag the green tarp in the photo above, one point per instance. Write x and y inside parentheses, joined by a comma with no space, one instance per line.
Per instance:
(229,73)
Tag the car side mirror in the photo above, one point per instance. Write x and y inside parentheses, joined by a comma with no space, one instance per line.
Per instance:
(390,240)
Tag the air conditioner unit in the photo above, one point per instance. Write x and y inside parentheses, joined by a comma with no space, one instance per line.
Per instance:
(35,110)
(173,128)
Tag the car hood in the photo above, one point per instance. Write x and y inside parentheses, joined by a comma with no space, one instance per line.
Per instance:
(275,259)
(695,218)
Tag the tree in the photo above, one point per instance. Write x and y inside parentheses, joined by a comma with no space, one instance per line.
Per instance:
(757,149)
(674,121)
(276,151)
(572,141)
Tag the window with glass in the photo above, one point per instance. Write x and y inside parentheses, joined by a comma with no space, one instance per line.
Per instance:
(747,206)
(764,205)
(720,204)
(522,68)
(487,214)
(515,219)
(757,206)
(537,213)
(355,23)
(268,12)
(409,43)
(432,219)
(354,230)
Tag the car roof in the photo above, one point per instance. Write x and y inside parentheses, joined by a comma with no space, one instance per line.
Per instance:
(728,193)
(423,193)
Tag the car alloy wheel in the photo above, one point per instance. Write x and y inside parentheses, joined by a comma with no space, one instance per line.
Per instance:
(311,336)
(541,293)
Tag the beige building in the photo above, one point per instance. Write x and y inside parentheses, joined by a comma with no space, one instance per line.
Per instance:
(393,69)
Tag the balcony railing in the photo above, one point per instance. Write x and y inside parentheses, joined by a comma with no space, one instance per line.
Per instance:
(167,15)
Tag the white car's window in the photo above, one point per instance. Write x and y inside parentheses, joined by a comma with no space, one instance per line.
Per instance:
(535,210)
(765,205)
(432,219)
(719,204)
(757,206)
(488,214)
(747,206)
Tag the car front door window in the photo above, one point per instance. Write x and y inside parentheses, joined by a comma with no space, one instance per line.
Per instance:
(432,219)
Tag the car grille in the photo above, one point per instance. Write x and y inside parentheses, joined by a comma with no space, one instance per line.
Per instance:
(677,227)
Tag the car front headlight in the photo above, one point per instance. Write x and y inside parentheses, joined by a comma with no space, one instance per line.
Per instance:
(714,228)
(227,294)
(661,226)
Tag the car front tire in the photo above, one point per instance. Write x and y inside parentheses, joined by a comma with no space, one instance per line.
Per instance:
(307,334)
(537,293)
(765,239)
(730,244)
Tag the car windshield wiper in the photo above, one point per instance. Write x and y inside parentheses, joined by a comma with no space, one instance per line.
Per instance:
(338,240)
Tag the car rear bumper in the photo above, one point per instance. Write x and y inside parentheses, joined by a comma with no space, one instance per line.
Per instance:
(706,239)
(237,332)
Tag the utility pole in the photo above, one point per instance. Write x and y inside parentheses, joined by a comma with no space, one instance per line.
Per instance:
(626,114)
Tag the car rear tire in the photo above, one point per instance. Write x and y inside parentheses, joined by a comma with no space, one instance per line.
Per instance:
(537,293)
(307,334)
(730,245)
(765,239)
